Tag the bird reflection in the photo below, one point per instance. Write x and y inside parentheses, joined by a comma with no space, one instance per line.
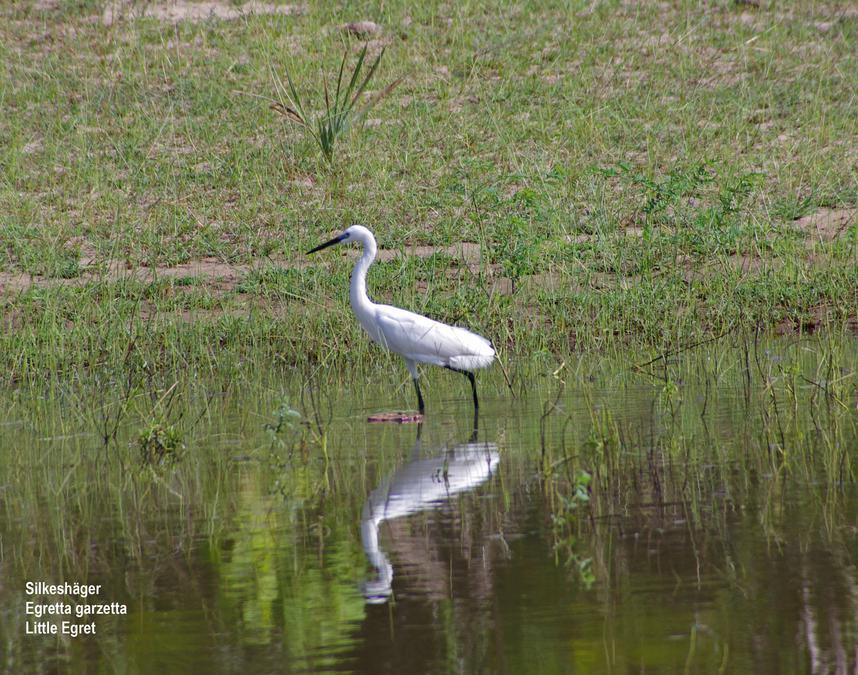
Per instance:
(419,485)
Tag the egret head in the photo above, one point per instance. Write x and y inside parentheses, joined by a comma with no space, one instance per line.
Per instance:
(354,233)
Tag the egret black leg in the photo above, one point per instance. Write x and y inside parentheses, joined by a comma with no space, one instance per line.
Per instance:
(473,388)
(420,406)
(470,376)
(474,434)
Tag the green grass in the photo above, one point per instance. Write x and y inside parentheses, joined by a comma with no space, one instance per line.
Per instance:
(630,173)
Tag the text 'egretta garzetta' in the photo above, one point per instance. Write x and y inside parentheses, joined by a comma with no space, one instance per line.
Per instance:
(416,338)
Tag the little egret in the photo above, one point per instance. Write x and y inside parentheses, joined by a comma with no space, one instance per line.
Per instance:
(417,486)
(416,338)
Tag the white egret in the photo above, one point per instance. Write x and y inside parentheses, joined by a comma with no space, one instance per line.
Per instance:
(419,485)
(416,338)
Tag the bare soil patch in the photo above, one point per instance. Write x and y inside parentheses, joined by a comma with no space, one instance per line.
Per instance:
(213,269)
(221,276)
(181,10)
(817,317)
(362,29)
(827,224)
(467,252)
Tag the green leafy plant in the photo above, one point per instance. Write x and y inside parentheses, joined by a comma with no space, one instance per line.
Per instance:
(159,443)
(340,113)
(569,545)
(285,418)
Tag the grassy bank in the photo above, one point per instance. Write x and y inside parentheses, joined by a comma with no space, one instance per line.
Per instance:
(558,176)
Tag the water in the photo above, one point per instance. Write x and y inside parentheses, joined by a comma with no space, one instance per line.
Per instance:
(617,523)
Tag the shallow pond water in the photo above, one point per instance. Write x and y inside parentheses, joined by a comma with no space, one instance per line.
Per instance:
(701,518)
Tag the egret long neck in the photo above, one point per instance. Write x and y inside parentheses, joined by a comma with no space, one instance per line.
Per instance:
(357,293)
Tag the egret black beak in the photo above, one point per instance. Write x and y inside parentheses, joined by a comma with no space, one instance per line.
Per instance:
(335,240)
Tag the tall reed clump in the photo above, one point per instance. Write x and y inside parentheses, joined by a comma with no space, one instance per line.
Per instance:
(340,112)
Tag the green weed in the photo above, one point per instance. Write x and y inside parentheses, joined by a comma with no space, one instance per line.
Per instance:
(340,114)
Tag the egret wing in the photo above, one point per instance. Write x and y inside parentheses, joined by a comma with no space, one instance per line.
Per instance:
(425,340)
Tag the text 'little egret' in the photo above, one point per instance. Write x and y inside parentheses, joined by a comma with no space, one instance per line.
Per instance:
(416,338)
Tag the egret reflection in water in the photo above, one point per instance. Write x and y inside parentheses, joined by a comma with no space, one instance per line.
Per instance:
(419,485)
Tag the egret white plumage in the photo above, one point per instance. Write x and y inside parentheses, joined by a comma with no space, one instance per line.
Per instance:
(416,338)
(415,487)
